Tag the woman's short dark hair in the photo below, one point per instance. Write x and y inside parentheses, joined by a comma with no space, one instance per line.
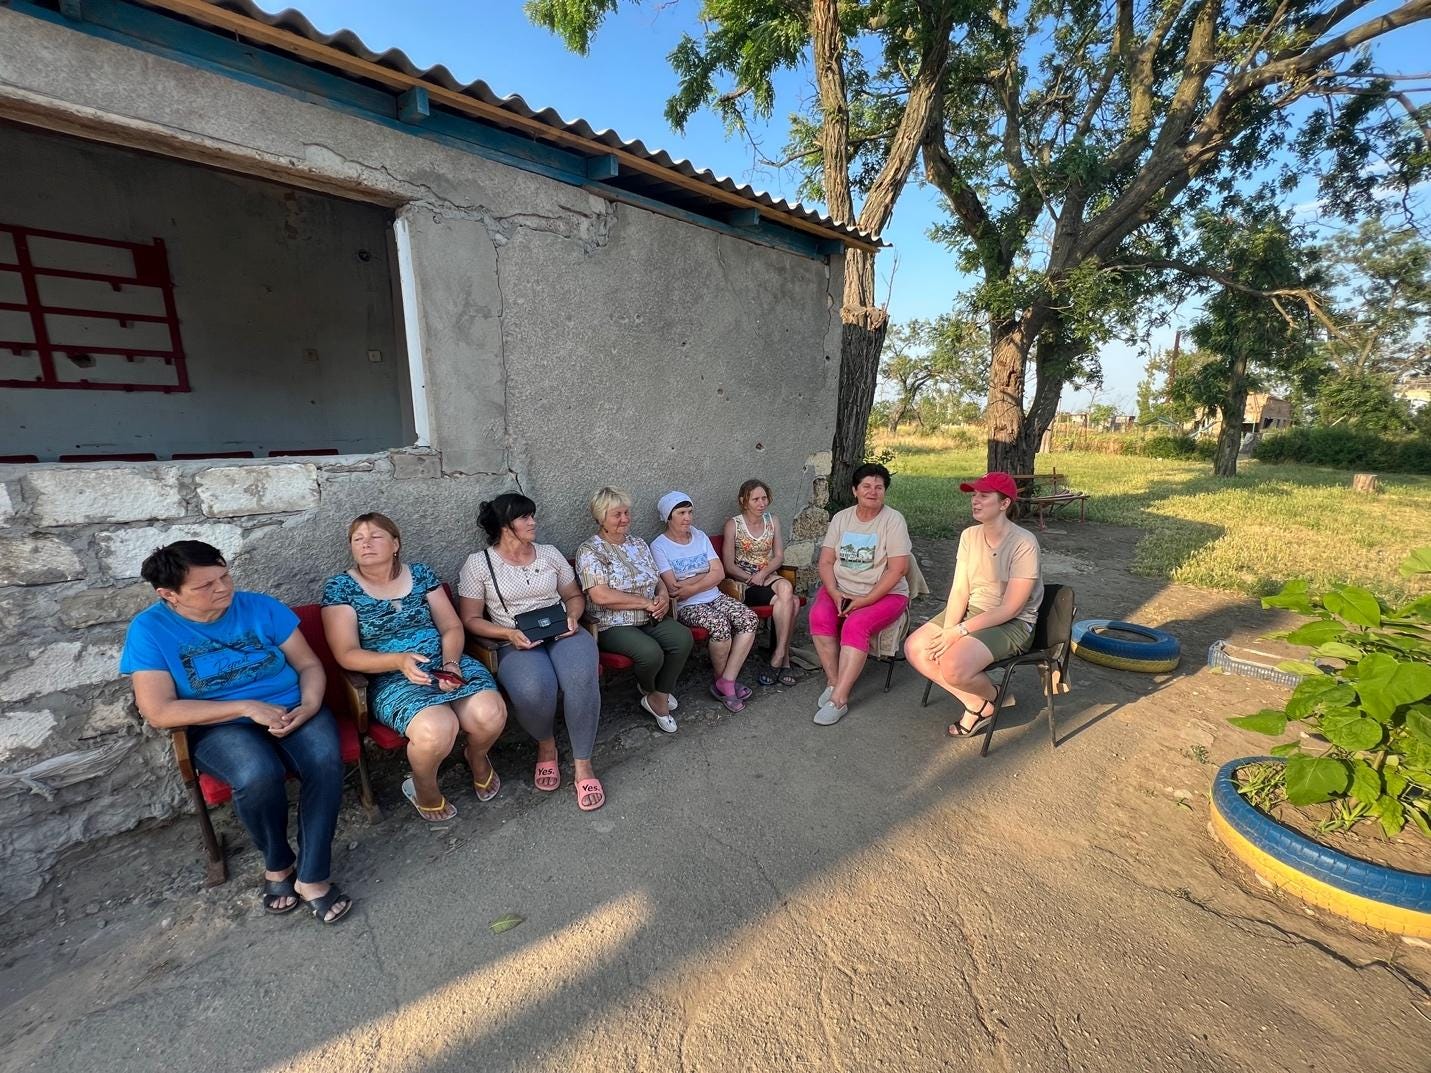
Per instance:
(494,515)
(870,469)
(167,567)
(1016,509)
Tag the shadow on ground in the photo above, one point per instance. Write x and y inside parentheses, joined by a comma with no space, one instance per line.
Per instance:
(761,893)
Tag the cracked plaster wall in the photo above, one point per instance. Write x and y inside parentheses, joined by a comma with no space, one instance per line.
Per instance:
(566,342)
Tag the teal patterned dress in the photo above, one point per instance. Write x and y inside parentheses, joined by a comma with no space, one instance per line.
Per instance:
(403,625)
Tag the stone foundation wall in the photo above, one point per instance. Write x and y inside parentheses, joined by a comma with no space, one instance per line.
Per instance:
(76,762)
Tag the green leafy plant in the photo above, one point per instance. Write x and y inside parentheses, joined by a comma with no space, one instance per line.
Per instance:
(1364,702)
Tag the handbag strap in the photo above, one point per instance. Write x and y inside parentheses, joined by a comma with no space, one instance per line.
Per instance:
(492,573)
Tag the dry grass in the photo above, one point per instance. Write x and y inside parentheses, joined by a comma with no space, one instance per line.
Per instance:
(1246,535)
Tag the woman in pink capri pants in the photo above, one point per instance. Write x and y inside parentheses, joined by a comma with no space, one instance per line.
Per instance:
(863,587)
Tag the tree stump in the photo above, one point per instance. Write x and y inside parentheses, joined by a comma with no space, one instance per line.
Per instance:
(1365,482)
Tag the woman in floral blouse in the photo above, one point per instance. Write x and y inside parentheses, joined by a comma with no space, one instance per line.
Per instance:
(628,605)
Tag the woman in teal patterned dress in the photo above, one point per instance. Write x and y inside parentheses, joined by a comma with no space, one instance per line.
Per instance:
(397,625)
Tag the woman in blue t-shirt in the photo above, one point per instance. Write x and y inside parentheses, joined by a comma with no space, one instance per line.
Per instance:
(233,669)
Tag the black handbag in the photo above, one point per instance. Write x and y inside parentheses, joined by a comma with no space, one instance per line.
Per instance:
(539,625)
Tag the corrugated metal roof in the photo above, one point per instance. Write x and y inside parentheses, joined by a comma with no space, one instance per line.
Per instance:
(347,42)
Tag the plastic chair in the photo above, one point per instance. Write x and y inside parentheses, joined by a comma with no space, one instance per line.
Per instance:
(1052,645)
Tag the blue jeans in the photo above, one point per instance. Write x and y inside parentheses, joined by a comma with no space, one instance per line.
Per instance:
(257,765)
(531,677)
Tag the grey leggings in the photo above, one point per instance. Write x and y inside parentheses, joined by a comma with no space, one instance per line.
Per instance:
(530,679)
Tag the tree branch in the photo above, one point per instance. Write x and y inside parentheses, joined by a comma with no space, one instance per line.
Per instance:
(1305,295)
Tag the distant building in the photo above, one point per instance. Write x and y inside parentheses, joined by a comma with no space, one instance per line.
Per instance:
(1415,389)
(1264,413)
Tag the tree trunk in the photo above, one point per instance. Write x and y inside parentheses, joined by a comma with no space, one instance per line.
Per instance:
(1005,416)
(897,415)
(1233,408)
(863,323)
(861,341)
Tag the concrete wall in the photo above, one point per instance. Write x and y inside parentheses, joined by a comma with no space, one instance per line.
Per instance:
(281,294)
(561,341)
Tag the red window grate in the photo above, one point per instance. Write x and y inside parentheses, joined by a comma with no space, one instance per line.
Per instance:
(86,313)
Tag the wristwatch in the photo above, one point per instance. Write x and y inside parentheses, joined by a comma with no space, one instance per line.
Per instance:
(961,629)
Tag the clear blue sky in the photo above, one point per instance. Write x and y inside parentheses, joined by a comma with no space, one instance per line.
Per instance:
(624,84)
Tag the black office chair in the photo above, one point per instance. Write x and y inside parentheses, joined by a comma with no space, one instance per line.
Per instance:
(1051,648)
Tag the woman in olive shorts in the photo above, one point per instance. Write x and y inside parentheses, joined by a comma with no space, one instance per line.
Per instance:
(992,606)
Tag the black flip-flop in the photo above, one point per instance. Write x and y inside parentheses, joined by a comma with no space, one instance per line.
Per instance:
(324,904)
(274,889)
(768,675)
(787,676)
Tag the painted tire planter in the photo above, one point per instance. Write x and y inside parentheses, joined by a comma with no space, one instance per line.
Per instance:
(1140,649)
(1379,897)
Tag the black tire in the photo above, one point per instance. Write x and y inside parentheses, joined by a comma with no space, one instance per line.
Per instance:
(1141,648)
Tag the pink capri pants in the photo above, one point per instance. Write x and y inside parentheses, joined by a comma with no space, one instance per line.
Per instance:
(859,627)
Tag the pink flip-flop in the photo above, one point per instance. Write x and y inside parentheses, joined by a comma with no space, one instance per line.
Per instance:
(589,795)
(733,702)
(547,777)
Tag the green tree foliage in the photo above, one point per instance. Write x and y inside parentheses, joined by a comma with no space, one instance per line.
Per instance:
(1381,278)
(1156,398)
(1076,136)
(1257,324)
(948,355)
(1362,400)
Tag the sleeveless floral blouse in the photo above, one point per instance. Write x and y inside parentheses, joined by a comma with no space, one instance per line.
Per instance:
(752,553)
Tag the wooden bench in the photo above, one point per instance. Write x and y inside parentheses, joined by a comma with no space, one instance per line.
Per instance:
(1045,507)
(1045,494)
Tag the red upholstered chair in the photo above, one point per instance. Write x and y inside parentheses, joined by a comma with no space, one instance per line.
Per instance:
(356,686)
(338,696)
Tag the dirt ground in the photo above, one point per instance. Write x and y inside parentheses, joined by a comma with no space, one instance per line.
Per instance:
(764,894)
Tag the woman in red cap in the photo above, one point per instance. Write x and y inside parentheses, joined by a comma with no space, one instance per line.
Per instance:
(992,606)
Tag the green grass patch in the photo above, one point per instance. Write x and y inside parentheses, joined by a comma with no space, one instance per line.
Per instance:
(1250,534)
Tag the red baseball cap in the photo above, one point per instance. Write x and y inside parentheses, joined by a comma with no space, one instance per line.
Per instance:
(998,481)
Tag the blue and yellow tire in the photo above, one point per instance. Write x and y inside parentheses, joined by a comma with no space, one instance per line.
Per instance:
(1384,898)
(1152,651)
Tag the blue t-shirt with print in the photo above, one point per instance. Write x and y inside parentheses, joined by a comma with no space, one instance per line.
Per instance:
(236,657)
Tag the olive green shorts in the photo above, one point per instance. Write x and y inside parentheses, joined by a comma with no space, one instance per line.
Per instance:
(1012,638)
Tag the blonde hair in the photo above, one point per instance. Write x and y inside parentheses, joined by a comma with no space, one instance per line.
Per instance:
(603,499)
(387,525)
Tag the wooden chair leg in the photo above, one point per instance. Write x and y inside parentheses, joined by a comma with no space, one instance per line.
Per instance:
(365,787)
(216,870)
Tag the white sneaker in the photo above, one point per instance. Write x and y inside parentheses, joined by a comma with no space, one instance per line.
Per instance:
(830,714)
(665,722)
(829,691)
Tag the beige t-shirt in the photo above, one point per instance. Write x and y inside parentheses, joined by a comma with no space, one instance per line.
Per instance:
(523,588)
(990,569)
(863,548)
